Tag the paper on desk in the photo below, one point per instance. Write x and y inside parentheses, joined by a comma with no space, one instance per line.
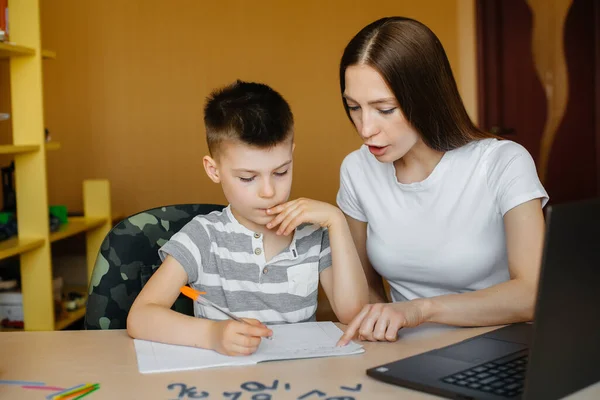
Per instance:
(302,340)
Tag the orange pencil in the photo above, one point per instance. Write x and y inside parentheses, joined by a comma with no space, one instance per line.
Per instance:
(196,296)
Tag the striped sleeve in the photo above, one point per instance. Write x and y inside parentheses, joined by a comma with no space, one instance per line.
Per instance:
(190,246)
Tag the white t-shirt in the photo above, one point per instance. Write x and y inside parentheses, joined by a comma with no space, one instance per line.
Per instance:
(445,234)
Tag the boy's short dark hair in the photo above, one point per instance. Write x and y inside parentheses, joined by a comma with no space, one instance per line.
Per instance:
(249,112)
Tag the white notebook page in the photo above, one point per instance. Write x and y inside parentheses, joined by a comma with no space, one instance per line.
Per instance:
(303,340)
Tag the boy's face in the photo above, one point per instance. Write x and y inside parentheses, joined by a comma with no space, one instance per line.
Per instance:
(253,178)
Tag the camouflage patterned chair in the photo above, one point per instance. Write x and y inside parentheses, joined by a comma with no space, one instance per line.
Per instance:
(128,257)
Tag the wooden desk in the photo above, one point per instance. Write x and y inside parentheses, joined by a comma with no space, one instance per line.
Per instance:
(65,359)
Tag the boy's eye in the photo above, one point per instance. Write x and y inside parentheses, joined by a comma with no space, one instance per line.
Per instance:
(282,173)
(246,179)
(388,111)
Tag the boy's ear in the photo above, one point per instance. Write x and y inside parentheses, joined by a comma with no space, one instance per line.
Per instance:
(211,168)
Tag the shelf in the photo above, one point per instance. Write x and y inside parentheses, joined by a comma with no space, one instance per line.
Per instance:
(3,329)
(16,246)
(72,316)
(8,50)
(27,148)
(48,54)
(52,146)
(25,96)
(75,226)
(18,149)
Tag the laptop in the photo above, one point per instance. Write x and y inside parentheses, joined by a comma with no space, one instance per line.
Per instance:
(556,355)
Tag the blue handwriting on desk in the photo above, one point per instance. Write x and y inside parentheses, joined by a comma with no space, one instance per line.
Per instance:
(252,389)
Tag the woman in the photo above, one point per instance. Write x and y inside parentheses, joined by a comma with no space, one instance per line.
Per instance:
(450,216)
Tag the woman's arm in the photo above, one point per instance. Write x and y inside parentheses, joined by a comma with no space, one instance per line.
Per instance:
(507,302)
(358,229)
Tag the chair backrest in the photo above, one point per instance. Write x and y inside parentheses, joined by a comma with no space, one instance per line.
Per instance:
(128,257)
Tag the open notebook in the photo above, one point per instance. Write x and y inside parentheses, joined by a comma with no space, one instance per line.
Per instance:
(303,340)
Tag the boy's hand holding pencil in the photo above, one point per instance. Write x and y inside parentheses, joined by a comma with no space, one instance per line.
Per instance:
(233,337)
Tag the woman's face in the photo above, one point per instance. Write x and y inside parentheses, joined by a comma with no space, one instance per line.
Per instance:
(377,115)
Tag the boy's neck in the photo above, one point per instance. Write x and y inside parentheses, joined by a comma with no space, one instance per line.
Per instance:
(273,243)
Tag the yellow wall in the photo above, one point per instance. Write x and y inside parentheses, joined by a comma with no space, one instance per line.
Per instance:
(125,95)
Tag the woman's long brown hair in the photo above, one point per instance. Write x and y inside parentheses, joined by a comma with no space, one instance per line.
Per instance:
(412,61)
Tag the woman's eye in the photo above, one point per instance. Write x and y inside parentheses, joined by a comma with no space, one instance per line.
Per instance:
(353,108)
(282,173)
(246,179)
(388,111)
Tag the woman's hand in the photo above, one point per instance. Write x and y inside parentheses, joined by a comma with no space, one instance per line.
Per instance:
(293,213)
(382,321)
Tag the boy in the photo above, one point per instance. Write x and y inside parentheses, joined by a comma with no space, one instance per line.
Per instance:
(262,256)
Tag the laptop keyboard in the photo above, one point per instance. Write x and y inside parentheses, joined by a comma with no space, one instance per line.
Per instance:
(503,378)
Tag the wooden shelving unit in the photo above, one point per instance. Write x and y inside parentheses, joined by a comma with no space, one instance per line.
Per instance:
(3,329)
(68,318)
(16,246)
(48,55)
(9,50)
(75,226)
(33,244)
(95,225)
(52,146)
(22,149)
(72,316)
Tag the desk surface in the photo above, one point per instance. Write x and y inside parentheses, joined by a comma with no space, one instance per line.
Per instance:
(68,358)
